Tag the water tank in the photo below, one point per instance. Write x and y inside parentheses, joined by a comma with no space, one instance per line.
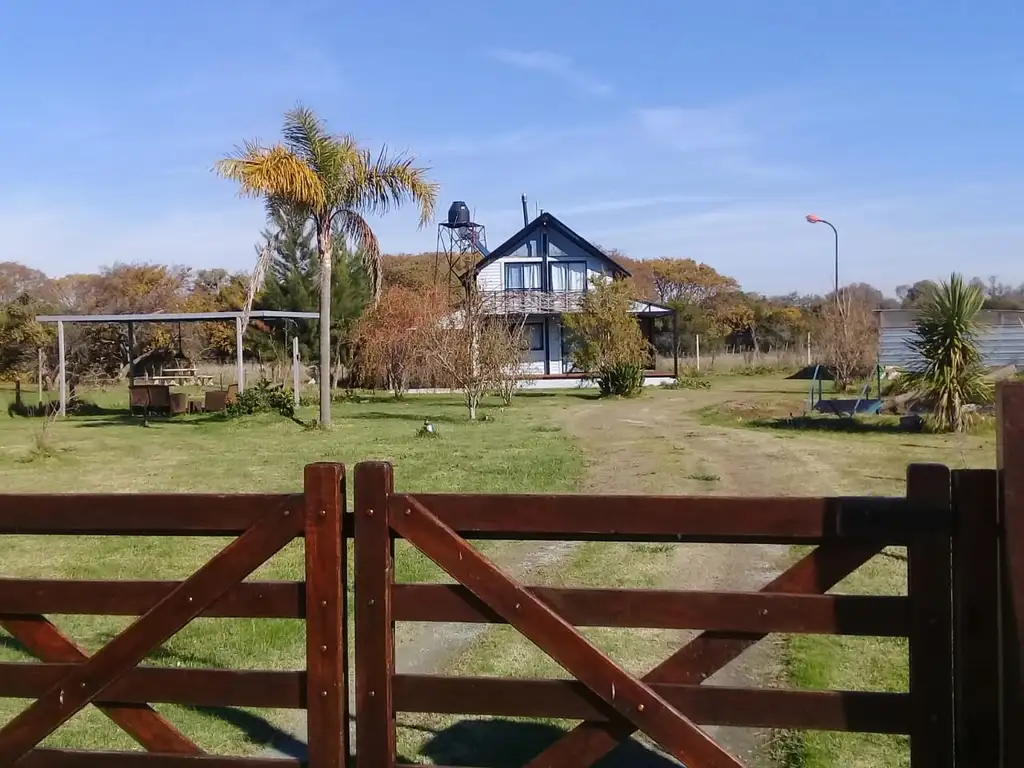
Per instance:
(458,214)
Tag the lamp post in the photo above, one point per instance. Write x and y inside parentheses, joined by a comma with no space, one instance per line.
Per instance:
(812,219)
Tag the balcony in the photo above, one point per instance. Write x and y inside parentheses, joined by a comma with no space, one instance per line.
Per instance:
(531,301)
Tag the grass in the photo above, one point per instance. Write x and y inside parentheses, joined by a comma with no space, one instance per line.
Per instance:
(503,652)
(115,453)
(521,450)
(870,454)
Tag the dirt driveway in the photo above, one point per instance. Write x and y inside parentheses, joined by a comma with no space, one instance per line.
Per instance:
(658,444)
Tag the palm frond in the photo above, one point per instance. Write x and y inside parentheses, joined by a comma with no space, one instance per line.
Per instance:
(264,255)
(355,228)
(390,182)
(330,156)
(272,172)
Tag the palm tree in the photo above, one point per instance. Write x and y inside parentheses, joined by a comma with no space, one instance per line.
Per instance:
(333,182)
(950,374)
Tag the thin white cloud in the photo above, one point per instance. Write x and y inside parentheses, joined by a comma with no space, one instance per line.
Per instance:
(555,65)
(695,129)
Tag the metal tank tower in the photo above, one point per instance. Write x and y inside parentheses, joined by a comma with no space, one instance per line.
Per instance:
(460,242)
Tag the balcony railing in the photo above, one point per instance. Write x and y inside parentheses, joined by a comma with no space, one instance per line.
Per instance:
(531,302)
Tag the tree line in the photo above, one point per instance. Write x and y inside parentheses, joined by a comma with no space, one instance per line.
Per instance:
(708,303)
(318,253)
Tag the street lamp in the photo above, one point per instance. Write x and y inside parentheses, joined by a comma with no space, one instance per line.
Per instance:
(811,218)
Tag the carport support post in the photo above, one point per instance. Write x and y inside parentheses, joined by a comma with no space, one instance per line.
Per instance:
(295,369)
(131,353)
(63,370)
(675,344)
(240,365)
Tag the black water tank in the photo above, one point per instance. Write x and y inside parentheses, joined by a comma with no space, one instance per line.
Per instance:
(458,214)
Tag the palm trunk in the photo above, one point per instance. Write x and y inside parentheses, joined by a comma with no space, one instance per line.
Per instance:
(324,245)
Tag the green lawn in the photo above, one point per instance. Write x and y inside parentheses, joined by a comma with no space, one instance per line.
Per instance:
(519,449)
(515,449)
(870,457)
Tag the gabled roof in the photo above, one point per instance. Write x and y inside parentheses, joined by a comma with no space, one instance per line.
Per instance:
(550,222)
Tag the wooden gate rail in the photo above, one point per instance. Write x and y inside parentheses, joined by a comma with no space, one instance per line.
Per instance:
(963,616)
(849,530)
(67,679)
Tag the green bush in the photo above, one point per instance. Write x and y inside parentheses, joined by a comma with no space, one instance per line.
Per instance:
(623,379)
(688,382)
(761,369)
(263,397)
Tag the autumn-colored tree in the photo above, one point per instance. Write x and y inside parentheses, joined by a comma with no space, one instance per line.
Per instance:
(21,336)
(392,338)
(688,282)
(18,280)
(332,181)
(607,343)
(640,273)
(410,270)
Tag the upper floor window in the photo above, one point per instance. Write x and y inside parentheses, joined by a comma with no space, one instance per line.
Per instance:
(522,277)
(569,276)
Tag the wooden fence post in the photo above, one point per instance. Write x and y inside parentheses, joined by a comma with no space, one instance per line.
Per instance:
(976,639)
(375,639)
(929,583)
(326,617)
(1010,425)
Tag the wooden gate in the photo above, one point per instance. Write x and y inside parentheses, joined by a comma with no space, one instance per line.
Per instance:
(669,703)
(963,616)
(68,680)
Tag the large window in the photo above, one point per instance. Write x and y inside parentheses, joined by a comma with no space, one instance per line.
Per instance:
(522,277)
(569,276)
(534,336)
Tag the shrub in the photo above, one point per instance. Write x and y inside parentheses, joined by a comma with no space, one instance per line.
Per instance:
(622,379)
(688,382)
(263,397)
(950,375)
(761,369)
(606,340)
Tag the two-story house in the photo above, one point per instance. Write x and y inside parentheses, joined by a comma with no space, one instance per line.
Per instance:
(542,272)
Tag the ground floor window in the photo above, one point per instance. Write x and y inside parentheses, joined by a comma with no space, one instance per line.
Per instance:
(534,333)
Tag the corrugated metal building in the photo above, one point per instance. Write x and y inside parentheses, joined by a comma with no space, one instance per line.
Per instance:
(1001,338)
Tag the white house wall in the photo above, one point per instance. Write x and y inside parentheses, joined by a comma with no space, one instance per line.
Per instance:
(492,276)
(561,249)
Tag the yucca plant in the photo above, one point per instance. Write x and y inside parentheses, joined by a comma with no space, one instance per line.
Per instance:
(949,374)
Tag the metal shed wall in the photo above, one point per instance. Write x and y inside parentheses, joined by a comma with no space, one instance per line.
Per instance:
(1001,345)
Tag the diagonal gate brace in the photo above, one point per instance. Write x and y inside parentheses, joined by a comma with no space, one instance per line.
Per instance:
(140,721)
(633,699)
(819,571)
(194,595)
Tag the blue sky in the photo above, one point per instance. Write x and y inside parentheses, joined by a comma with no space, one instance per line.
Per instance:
(659,127)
